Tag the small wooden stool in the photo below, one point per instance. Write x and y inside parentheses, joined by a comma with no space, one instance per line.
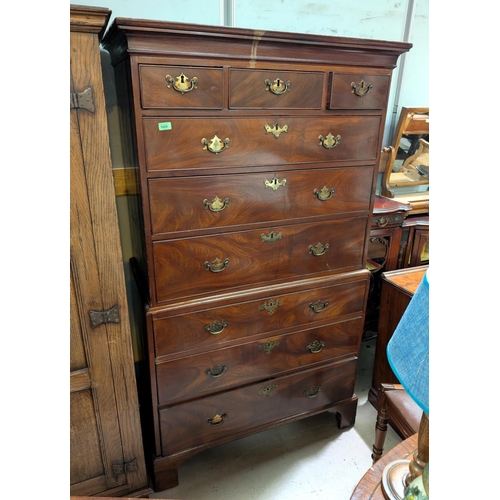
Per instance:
(397,407)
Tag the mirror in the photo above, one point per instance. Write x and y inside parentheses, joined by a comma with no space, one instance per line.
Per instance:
(406,175)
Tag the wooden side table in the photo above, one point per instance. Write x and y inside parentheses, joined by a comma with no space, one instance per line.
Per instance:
(370,486)
(397,290)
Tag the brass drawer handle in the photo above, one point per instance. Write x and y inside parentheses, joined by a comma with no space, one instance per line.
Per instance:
(216,371)
(215,145)
(319,249)
(361,89)
(269,346)
(315,346)
(324,194)
(182,83)
(319,306)
(313,391)
(266,390)
(217,266)
(275,183)
(270,306)
(275,129)
(217,419)
(216,327)
(330,142)
(216,205)
(278,87)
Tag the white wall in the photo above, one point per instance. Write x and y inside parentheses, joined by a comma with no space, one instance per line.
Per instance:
(403,20)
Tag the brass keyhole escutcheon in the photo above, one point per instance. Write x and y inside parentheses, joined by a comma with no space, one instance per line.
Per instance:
(278,87)
(182,83)
(269,346)
(270,306)
(361,89)
(267,390)
(275,183)
(271,238)
(275,129)
(329,142)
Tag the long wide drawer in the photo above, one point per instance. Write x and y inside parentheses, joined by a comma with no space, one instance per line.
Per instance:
(210,328)
(210,418)
(190,143)
(187,203)
(209,264)
(227,367)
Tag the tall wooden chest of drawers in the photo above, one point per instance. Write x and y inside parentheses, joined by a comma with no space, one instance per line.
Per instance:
(258,155)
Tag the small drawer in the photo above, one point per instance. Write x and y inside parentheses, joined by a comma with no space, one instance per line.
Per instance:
(228,367)
(180,87)
(190,203)
(207,265)
(210,328)
(255,89)
(355,91)
(211,143)
(214,417)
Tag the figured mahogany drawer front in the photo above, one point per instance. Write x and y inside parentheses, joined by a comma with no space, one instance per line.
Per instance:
(275,89)
(181,87)
(354,91)
(212,264)
(211,328)
(210,418)
(182,204)
(191,143)
(231,366)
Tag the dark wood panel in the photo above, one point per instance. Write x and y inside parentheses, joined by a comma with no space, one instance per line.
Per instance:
(181,146)
(157,92)
(185,203)
(343,97)
(182,266)
(231,366)
(251,89)
(185,332)
(246,408)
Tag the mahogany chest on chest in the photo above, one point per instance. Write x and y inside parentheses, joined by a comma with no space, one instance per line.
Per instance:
(258,155)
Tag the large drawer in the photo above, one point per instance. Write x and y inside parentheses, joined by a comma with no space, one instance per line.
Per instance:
(355,91)
(187,203)
(275,89)
(210,328)
(231,366)
(209,264)
(181,87)
(192,143)
(210,418)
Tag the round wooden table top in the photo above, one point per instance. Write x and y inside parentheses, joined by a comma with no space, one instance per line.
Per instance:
(370,486)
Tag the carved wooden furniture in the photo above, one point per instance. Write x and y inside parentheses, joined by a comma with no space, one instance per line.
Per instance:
(409,185)
(258,155)
(395,406)
(370,485)
(106,455)
(384,250)
(398,288)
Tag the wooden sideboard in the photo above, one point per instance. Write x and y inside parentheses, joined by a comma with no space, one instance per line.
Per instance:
(258,157)
(398,288)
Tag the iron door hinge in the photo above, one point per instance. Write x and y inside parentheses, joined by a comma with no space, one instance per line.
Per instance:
(84,100)
(125,468)
(101,317)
